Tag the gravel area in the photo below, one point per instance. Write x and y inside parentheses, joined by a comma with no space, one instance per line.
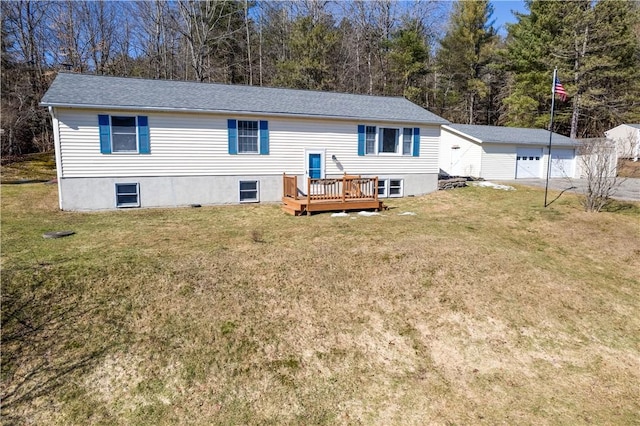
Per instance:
(629,189)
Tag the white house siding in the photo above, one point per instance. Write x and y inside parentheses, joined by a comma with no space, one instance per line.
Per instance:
(498,161)
(462,161)
(189,161)
(563,163)
(627,139)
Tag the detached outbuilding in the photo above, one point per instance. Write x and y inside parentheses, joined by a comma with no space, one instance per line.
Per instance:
(128,142)
(627,140)
(493,152)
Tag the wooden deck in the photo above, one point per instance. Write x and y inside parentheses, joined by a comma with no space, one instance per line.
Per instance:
(348,192)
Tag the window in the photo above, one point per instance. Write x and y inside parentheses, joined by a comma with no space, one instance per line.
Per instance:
(127,195)
(124,137)
(124,134)
(382,188)
(395,187)
(407,136)
(370,140)
(374,140)
(389,142)
(390,188)
(247,137)
(249,191)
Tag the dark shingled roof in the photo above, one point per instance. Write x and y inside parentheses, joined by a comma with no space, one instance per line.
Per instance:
(80,90)
(512,135)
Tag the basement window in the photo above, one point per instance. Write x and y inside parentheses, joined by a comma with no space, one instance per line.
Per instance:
(395,187)
(249,191)
(390,188)
(127,195)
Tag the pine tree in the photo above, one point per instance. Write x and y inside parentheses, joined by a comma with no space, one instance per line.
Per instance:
(312,47)
(463,60)
(596,52)
(408,56)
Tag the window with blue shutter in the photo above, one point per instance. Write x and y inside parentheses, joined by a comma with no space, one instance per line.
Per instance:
(248,137)
(124,134)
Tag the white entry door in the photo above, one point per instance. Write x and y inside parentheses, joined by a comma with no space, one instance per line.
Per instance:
(528,163)
(562,162)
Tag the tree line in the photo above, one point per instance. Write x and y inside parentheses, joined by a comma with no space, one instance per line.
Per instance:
(446,58)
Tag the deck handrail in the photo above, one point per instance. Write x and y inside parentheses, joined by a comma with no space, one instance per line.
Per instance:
(345,188)
(290,186)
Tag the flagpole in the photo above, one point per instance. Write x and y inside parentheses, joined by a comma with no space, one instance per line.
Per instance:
(553,101)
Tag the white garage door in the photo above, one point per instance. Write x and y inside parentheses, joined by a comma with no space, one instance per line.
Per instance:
(562,162)
(528,163)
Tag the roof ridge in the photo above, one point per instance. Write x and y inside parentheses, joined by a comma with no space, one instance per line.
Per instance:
(215,83)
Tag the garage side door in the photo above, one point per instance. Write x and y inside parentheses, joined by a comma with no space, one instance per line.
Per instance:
(562,162)
(528,163)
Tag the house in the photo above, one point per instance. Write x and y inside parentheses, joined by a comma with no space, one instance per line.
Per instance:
(128,142)
(627,139)
(493,152)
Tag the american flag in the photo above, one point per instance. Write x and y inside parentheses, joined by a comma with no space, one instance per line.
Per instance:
(559,89)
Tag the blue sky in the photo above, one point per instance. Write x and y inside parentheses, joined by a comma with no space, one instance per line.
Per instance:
(502,13)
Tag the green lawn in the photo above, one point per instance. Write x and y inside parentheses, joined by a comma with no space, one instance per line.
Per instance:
(482,308)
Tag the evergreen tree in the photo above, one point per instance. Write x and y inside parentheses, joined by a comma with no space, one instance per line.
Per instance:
(312,47)
(596,52)
(462,61)
(408,56)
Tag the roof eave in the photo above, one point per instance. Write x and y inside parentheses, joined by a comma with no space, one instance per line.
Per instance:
(461,133)
(237,112)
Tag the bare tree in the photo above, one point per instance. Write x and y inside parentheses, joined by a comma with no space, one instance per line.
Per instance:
(205,24)
(156,39)
(598,160)
(67,44)
(24,76)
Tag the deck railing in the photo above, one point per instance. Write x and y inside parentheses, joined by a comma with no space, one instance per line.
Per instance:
(345,188)
(290,186)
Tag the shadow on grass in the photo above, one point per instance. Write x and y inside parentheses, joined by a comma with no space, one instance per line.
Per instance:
(46,338)
(560,195)
(616,206)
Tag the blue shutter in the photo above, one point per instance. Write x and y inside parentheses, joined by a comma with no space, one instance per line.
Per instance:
(361,139)
(143,135)
(416,142)
(105,134)
(264,138)
(232,127)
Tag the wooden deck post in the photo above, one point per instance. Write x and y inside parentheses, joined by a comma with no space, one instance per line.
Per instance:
(308,196)
(375,188)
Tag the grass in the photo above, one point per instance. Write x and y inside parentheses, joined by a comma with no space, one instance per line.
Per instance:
(629,168)
(32,167)
(482,308)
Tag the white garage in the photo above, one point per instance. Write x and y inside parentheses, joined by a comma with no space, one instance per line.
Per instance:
(563,162)
(528,163)
(505,153)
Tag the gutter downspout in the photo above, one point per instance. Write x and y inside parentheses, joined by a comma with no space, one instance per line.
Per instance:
(58,153)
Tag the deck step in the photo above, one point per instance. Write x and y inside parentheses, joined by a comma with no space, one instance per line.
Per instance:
(291,210)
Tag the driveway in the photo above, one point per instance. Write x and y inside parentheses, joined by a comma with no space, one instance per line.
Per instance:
(629,189)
